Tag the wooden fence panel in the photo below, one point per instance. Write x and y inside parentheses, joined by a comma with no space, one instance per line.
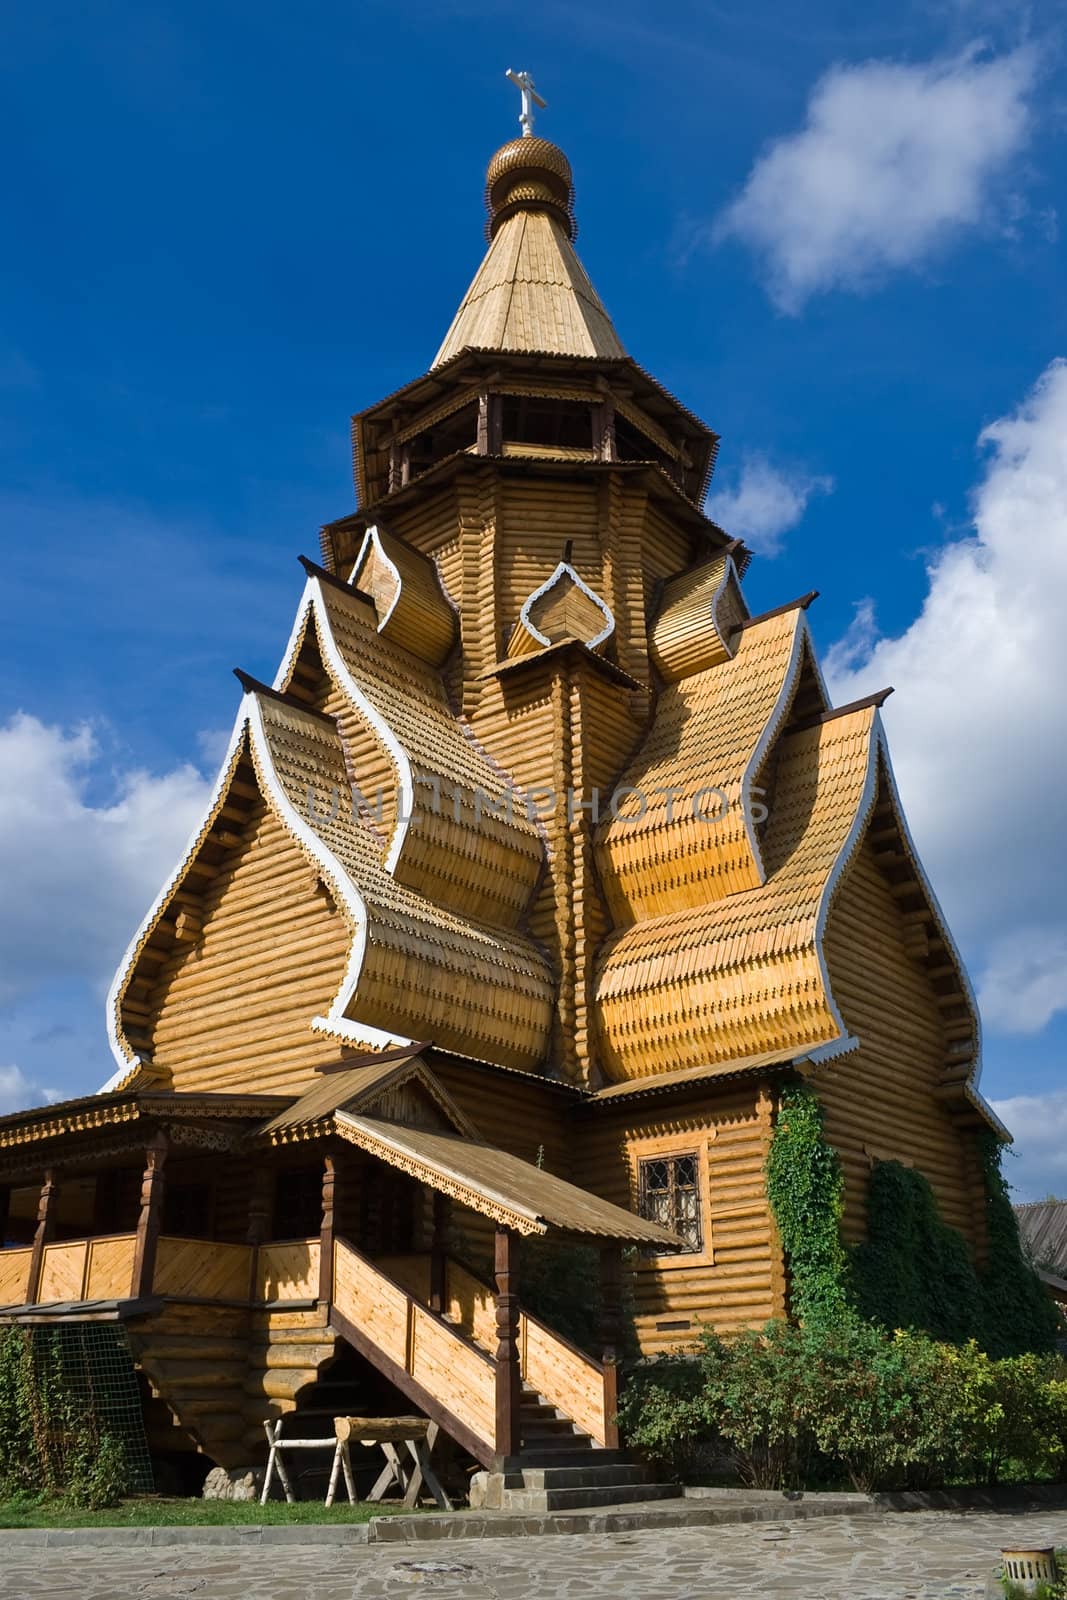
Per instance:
(201,1269)
(288,1271)
(109,1270)
(63,1272)
(14,1275)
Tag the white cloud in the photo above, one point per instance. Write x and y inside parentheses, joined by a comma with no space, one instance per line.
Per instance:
(765,504)
(79,873)
(17,1090)
(892,160)
(1024,982)
(977,723)
(1039,1124)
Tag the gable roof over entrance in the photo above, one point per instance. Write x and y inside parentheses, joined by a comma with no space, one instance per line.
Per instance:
(515,1193)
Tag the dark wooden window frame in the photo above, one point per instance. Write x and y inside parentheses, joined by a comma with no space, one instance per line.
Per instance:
(670,1194)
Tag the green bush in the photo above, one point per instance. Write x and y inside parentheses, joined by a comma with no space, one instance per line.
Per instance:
(1017,1314)
(662,1413)
(50,1447)
(797,1406)
(1013,1413)
(757,1400)
(912,1271)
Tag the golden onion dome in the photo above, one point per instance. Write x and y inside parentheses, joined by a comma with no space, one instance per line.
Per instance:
(529,174)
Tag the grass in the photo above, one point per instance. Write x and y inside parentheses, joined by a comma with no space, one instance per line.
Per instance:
(151,1511)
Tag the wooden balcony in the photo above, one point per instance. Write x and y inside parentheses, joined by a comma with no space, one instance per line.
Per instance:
(78,1271)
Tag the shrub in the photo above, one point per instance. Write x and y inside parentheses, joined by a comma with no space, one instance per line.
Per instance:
(1013,1413)
(795,1406)
(50,1446)
(757,1398)
(913,1271)
(663,1413)
(1017,1314)
(879,1405)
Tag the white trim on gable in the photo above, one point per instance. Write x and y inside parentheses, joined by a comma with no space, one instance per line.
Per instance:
(564,569)
(372,539)
(129,1063)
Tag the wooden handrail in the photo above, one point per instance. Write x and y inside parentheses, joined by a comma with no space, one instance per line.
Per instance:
(395,1351)
(530,1317)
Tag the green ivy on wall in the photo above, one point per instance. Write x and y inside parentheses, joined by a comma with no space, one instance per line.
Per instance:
(807,1195)
(1017,1314)
(912,1271)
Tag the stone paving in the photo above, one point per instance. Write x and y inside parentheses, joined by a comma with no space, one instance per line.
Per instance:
(916,1556)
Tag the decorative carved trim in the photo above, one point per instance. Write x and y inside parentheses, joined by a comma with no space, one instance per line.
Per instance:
(444,1183)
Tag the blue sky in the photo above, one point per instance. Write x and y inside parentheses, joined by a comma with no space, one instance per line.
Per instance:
(833,235)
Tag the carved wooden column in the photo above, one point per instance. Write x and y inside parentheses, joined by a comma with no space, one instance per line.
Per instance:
(439,1253)
(508,1377)
(258,1221)
(5,1207)
(611,1336)
(329,1184)
(46,1227)
(150,1220)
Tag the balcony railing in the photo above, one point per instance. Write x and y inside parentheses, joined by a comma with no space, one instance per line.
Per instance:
(78,1270)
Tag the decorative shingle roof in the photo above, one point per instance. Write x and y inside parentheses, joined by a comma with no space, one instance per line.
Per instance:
(745,974)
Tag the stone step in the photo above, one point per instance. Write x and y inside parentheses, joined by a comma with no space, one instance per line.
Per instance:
(535,1439)
(549,1427)
(583,1477)
(573,1499)
(585,1455)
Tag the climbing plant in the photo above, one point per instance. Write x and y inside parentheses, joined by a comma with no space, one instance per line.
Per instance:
(912,1271)
(68,1428)
(806,1192)
(1017,1314)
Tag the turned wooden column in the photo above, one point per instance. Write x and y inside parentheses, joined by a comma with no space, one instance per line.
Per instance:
(5,1207)
(508,1376)
(439,1253)
(611,1336)
(329,1185)
(150,1219)
(46,1227)
(258,1221)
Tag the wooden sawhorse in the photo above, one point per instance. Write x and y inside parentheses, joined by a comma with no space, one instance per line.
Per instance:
(394,1436)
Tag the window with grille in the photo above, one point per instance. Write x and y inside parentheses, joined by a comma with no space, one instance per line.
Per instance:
(669,1193)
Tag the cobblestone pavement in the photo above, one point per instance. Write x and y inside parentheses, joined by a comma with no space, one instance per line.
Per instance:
(917,1556)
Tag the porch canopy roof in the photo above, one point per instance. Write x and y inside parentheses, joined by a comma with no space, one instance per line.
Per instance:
(515,1193)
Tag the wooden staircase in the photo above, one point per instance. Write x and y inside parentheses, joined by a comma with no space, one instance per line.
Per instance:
(445,1364)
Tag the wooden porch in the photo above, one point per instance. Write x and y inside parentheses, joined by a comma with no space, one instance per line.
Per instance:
(230,1332)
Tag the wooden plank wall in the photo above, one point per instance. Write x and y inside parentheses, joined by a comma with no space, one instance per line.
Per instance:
(737,1279)
(234,1010)
(879,1102)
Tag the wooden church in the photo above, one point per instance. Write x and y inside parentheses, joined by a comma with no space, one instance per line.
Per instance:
(535,874)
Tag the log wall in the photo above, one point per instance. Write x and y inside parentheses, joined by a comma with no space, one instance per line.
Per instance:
(736,1280)
(880,1102)
(234,1010)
